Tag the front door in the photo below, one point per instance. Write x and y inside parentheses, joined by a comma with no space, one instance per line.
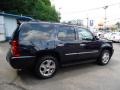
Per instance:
(89,46)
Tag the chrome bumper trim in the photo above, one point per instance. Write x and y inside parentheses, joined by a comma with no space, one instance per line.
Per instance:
(23,57)
(95,51)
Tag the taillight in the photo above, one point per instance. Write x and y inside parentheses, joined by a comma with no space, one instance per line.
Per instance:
(15,48)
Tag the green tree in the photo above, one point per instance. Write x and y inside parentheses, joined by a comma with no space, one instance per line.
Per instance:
(38,9)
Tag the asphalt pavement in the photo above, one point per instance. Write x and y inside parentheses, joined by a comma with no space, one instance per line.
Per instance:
(80,77)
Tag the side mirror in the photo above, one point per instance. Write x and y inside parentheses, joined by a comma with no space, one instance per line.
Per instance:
(96,38)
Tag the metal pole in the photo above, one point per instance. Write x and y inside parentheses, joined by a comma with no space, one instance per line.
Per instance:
(105,7)
(87,22)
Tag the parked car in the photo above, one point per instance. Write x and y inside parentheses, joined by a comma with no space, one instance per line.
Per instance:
(116,37)
(45,46)
(111,37)
(106,35)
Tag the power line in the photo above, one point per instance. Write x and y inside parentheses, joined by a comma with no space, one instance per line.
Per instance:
(92,9)
(113,19)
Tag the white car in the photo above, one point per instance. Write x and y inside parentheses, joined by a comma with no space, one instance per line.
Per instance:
(108,35)
(111,37)
(116,37)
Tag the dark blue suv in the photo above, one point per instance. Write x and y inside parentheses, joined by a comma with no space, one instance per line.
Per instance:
(45,46)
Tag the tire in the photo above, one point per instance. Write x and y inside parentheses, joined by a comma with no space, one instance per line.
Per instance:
(104,57)
(46,67)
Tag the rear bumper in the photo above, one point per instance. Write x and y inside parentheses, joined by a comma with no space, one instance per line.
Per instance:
(21,62)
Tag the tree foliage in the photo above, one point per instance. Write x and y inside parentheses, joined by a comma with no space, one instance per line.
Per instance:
(38,9)
(118,24)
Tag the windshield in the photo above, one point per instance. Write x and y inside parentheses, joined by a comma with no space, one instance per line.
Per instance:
(36,31)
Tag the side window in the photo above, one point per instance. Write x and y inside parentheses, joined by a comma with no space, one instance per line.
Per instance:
(66,33)
(84,34)
(36,31)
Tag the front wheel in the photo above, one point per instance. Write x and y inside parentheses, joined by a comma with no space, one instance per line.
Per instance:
(119,41)
(104,57)
(46,67)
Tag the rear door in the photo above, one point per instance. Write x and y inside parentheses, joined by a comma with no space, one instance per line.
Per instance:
(67,43)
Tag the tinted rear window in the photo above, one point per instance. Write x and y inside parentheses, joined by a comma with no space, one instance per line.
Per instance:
(36,31)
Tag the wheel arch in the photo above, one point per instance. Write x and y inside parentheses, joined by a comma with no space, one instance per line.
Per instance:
(107,48)
(48,53)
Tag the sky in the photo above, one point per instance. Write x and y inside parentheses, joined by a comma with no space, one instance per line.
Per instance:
(81,9)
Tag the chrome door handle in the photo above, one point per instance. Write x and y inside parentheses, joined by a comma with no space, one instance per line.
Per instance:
(60,45)
(82,44)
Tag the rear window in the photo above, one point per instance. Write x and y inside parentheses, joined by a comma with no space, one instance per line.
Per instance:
(35,31)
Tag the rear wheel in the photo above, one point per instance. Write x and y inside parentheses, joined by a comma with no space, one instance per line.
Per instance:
(104,57)
(46,67)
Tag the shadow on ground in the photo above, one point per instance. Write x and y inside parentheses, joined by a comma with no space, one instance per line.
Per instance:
(29,78)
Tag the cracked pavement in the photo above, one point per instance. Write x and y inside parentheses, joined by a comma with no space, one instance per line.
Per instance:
(81,77)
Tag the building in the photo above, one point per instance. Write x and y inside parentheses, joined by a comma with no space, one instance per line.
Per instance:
(76,22)
(8,23)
